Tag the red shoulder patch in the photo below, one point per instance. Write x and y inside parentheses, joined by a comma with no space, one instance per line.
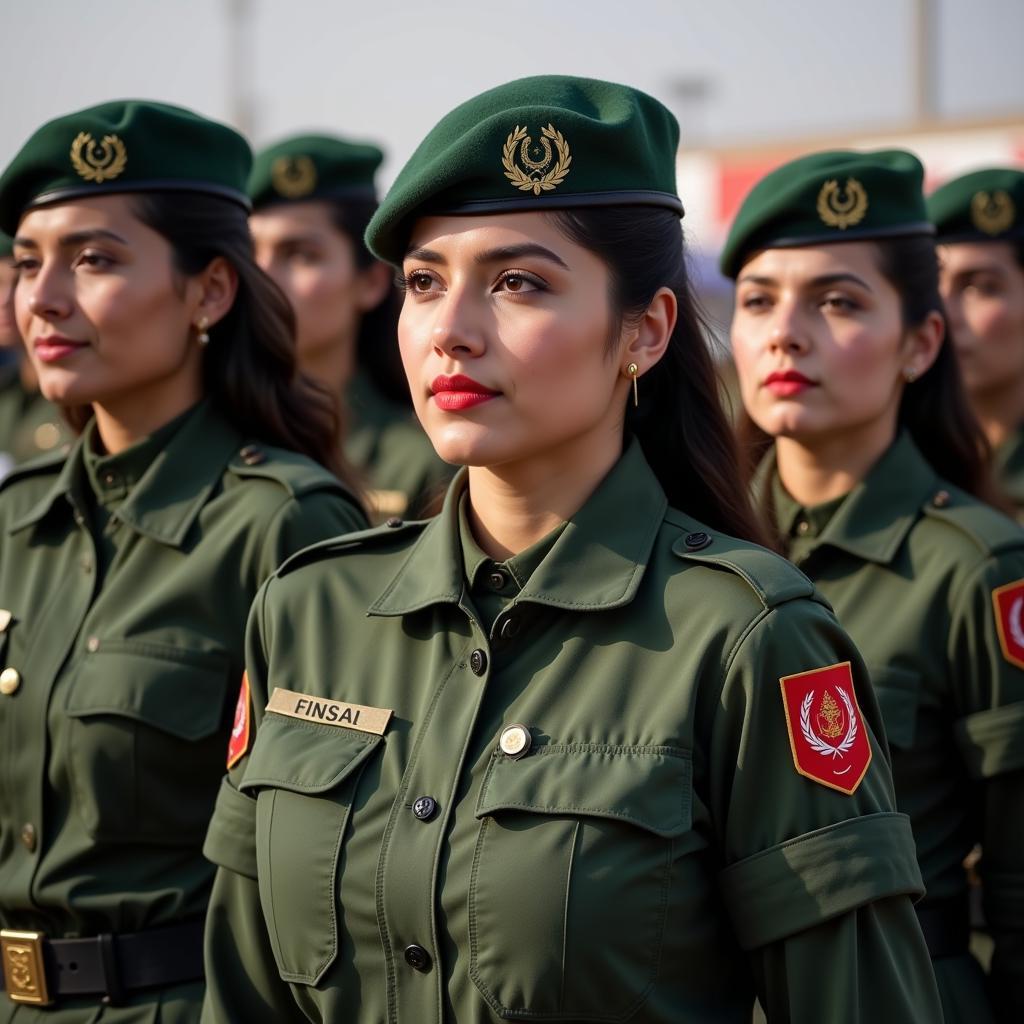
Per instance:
(1008,602)
(238,745)
(826,729)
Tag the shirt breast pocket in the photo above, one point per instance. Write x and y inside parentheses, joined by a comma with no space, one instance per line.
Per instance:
(304,778)
(898,693)
(145,741)
(570,878)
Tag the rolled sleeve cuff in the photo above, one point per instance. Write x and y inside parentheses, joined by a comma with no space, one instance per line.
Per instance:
(820,875)
(230,839)
(992,741)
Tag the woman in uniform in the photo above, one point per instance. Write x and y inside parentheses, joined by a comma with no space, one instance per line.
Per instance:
(979,220)
(313,196)
(530,760)
(127,569)
(873,484)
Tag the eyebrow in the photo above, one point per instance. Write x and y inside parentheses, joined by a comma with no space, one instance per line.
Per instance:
(501,254)
(821,281)
(75,238)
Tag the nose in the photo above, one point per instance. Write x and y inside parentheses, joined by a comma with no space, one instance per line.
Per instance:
(45,295)
(456,330)
(786,331)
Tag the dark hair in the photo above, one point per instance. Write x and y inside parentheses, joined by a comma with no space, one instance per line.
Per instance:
(249,368)
(377,341)
(680,424)
(934,409)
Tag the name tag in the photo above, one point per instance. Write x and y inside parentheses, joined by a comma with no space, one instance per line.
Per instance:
(325,711)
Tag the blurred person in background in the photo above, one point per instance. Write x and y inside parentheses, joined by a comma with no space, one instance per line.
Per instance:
(313,196)
(980,223)
(874,480)
(128,566)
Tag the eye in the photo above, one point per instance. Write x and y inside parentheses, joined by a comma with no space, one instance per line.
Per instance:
(754,302)
(26,264)
(839,303)
(93,260)
(519,282)
(418,282)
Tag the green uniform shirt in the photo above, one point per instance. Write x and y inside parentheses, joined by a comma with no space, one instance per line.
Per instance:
(910,563)
(652,856)
(29,425)
(128,579)
(387,445)
(1008,464)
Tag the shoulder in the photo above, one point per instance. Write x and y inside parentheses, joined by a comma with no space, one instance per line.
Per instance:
(293,473)
(965,525)
(35,476)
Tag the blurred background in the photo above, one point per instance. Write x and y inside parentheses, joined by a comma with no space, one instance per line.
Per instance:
(753,84)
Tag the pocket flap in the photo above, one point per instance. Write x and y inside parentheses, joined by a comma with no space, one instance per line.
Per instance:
(649,787)
(179,697)
(302,757)
(897,692)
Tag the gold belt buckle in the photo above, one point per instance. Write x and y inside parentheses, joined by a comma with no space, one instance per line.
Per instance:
(24,972)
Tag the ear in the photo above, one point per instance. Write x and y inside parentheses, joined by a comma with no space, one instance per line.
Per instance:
(922,344)
(647,341)
(213,291)
(372,285)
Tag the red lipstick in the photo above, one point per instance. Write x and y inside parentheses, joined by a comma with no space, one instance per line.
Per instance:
(454,394)
(787,383)
(54,347)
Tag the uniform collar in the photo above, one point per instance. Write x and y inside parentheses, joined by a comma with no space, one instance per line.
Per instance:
(596,563)
(165,502)
(876,516)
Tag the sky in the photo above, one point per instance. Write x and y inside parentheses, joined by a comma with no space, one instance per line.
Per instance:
(735,72)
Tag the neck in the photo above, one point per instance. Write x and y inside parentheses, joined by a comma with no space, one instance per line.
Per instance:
(512,506)
(818,470)
(1000,411)
(331,366)
(27,374)
(124,423)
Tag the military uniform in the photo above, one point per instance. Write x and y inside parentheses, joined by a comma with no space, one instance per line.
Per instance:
(30,426)
(1008,466)
(564,812)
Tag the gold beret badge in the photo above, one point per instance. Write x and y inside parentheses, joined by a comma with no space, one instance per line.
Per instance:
(992,212)
(536,173)
(842,208)
(293,176)
(101,161)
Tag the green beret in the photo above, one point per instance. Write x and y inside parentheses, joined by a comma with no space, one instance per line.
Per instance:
(986,206)
(840,196)
(124,146)
(6,246)
(545,143)
(314,167)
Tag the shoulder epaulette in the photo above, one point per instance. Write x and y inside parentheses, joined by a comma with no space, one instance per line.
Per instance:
(989,528)
(771,577)
(50,463)
(349,543)
(296,473)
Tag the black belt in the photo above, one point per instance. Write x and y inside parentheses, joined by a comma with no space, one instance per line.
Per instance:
(39,970)
(946,925)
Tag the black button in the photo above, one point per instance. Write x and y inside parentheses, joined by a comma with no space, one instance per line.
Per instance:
(253,455)
(28,837)
(424,808)
(478,662)
(393,522)
(496,580)
(417,958)
(510,628)
(696,541)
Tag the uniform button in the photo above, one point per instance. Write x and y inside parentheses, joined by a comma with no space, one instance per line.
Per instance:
(253,455)
(417,958)
(46,436)
(941,499)
(393,522)
(10,680)
(424,808)
(478,662)
(110,479)
(92,645)
(802,527)
(28,837)
(515,741)
(696,541)
(510,628)
(496,580)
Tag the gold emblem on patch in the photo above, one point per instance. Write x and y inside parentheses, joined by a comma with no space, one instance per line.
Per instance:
(293,176)
(992,212)
(842,208)
(529,167)
(98,161)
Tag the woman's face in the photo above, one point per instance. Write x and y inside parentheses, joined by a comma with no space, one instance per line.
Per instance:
(983,288)
(8,328)
(104,316)
(504,335)
(819,342)
(314,264)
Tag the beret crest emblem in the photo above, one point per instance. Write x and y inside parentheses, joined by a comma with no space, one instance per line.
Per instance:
(293,176)
(534,168)
(98,161)
(992,212)
(842,208)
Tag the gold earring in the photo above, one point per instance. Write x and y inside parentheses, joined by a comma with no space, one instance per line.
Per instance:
(202,336)
(633,370)
(910,375)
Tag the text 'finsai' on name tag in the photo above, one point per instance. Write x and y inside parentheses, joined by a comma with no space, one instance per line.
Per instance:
(324,711)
